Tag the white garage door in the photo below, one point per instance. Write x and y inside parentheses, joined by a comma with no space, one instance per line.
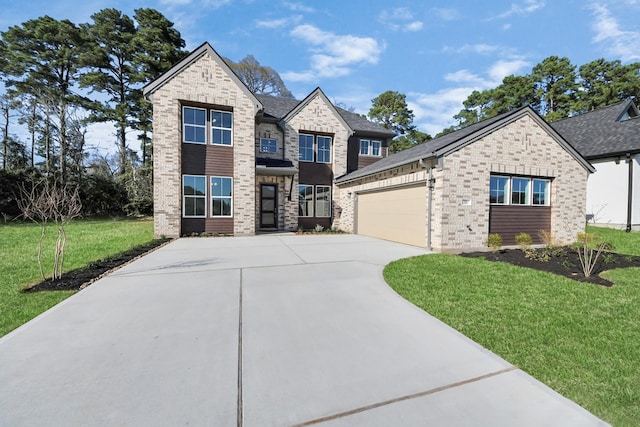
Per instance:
(399,214)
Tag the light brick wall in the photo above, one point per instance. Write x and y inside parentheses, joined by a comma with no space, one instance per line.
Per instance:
(522,148)
(317,116)
(204,81)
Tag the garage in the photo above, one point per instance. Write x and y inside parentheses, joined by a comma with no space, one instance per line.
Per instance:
(398,214)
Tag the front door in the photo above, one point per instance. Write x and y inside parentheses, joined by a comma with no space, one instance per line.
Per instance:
(268,206)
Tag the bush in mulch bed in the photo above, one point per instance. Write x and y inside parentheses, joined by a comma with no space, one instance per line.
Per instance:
(78,279)
(562,261)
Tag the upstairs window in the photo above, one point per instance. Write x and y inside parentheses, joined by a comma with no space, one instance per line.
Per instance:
(268,145)
(324,149)
(221,127)
(194,125)
(305,143)
(370,148)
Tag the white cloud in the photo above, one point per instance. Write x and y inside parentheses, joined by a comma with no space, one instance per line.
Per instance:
(528,6)
(299,7)
(434,111)
(446,14)
(278,23)
(400,19)
(333,55)
(618,42)
(479,48)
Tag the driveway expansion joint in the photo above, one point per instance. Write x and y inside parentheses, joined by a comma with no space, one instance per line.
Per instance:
(406,397)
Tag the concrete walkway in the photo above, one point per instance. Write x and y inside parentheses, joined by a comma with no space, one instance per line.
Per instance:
(274,330)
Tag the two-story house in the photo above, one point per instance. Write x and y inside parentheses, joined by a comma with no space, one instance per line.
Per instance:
(228,161)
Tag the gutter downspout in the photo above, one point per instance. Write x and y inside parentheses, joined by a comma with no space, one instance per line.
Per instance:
(630,193)
(430,186)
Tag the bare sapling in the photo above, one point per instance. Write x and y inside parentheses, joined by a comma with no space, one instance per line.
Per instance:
(45,203)
(589,247)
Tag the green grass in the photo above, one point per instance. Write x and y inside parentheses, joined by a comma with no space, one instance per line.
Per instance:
(87,241)
(580,339)
(624,243)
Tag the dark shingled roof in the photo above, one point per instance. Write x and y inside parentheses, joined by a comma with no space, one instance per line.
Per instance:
(602,133)
(451,141)
(277,108)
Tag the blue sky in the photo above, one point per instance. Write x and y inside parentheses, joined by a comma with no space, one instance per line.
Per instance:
(435,52)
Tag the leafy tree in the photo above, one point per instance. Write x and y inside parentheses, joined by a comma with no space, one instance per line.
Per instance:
(555,85)
(390,110)
(514,92)
(43,57)
(403,142)
(606,82)
(259,79)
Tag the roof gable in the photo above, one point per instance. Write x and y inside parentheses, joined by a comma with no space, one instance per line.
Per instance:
(306,101)
(195,55)
(459,139)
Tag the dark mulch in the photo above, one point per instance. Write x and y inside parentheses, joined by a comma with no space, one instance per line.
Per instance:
(563,261)
(80,278)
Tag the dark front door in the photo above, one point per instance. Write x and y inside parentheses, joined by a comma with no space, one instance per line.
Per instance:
(269,206)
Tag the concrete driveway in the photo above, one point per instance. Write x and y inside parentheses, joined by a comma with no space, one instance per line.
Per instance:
(274,330)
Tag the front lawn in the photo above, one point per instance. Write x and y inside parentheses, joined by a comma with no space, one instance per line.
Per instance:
(582,340)
(88,240)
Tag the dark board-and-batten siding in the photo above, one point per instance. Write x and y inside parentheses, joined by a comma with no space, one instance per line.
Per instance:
(509,221)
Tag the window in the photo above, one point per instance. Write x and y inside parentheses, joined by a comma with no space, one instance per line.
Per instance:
(376,148)
(519,191)
(194,196)
(221,127)
(364,147)
(194,125)
(541,192)
(305,143)
(324,149)
(498,188)
(221,196)
(268,145)
(522,190)
(305,200)
(323,201)
(370,148)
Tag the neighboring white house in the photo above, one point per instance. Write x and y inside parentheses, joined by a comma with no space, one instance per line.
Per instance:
(610,139)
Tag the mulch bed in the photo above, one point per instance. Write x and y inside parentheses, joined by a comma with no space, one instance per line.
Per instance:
(82,277)
(563,261)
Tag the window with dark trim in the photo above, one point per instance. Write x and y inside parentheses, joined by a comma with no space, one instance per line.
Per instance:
(268,145)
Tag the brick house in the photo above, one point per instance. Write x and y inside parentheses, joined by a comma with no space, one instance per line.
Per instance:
(227,161)
(609,138)
(509,174)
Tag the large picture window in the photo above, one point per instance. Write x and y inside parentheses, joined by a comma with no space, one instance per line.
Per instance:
(221,127)
(305,200)
(194,196)
(221,196)
(305,143)
(505,190)
(324,149)
(323,201)
(194,125)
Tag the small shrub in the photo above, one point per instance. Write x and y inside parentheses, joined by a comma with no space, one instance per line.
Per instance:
(548,239)
(494,241)
(524,241)
(567,264)
(541,255)
(589,247)
(318,228)
(609,259)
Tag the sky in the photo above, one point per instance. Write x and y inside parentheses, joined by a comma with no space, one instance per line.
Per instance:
(434,52)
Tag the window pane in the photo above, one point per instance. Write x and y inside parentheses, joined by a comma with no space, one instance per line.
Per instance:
(305,143)
(323,201)
(364,147)
(375,148)
(324,149)
(520,191)
(268,145)
(498,190)
(194,124)
(221,126)
(305,200)
(199,206)
(221,196)
(540,192)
